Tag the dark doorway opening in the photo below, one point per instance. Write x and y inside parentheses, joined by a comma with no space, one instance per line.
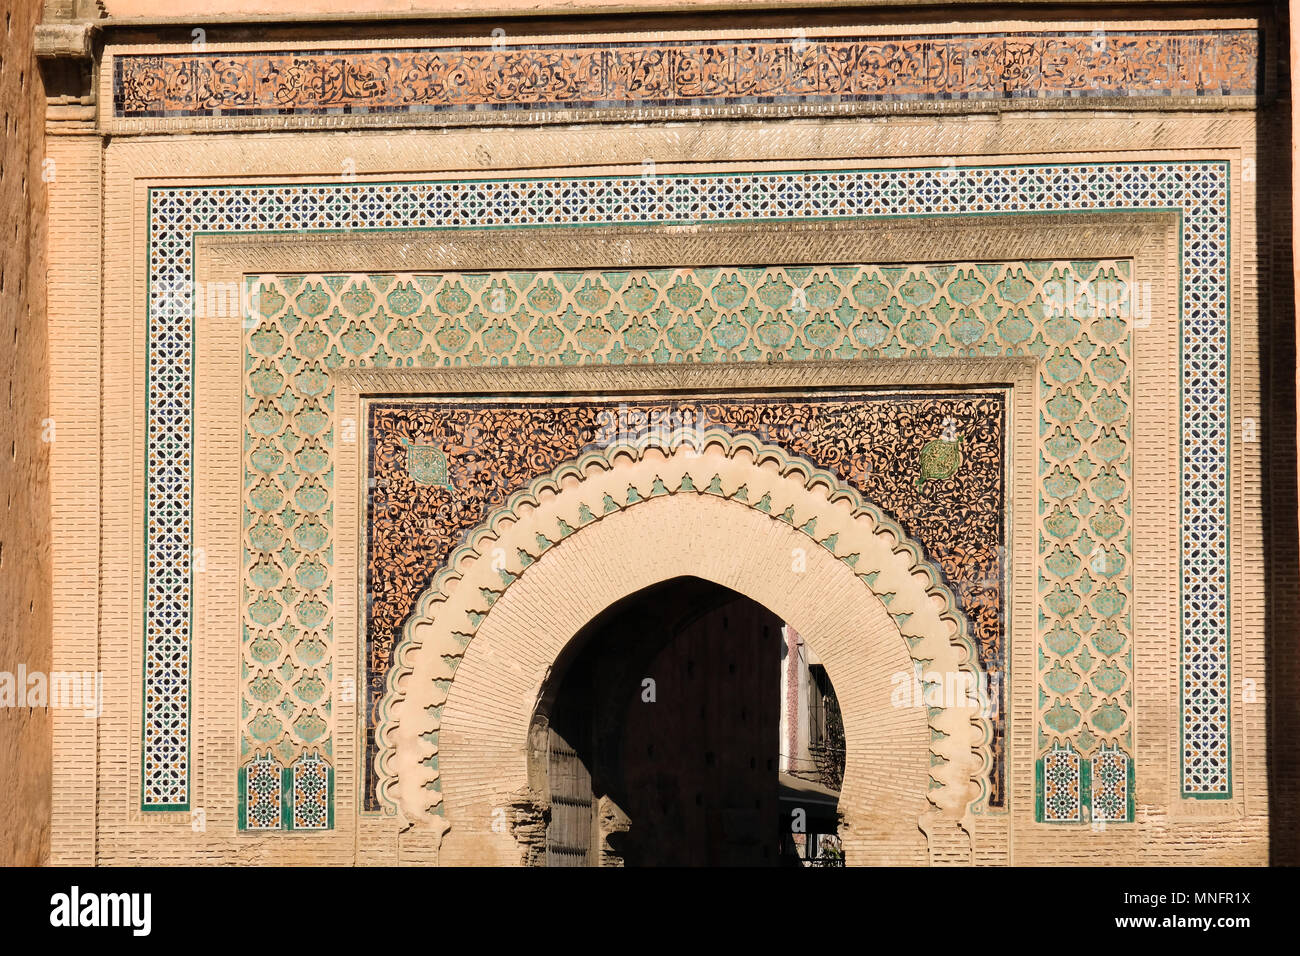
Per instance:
(661,733)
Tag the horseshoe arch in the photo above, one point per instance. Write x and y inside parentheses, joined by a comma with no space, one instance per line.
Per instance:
(730,509)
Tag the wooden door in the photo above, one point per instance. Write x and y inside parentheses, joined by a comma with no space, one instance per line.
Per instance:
(569,835)
(692,767)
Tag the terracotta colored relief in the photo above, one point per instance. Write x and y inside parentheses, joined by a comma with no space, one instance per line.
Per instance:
(1066,314)
(871,441)
(467,78)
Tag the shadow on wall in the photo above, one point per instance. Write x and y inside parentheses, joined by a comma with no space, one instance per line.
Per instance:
(25,438)
(1278,439)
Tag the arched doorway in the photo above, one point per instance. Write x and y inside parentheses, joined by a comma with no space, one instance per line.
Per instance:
(486,637)
(664,737)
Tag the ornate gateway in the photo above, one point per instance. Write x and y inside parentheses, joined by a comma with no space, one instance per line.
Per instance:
(591,357)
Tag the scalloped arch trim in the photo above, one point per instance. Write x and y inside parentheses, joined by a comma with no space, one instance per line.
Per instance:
(551,513)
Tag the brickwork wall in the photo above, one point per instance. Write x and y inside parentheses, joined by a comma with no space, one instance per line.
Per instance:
(24,459)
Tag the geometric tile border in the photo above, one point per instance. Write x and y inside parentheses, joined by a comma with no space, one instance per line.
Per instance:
(1060,786)
(1196,191)
(472,81)
(1111,786)
(298,797)
(261,788)
(1074,789)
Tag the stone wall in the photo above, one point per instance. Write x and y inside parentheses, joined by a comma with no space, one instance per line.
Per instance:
(24,437)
